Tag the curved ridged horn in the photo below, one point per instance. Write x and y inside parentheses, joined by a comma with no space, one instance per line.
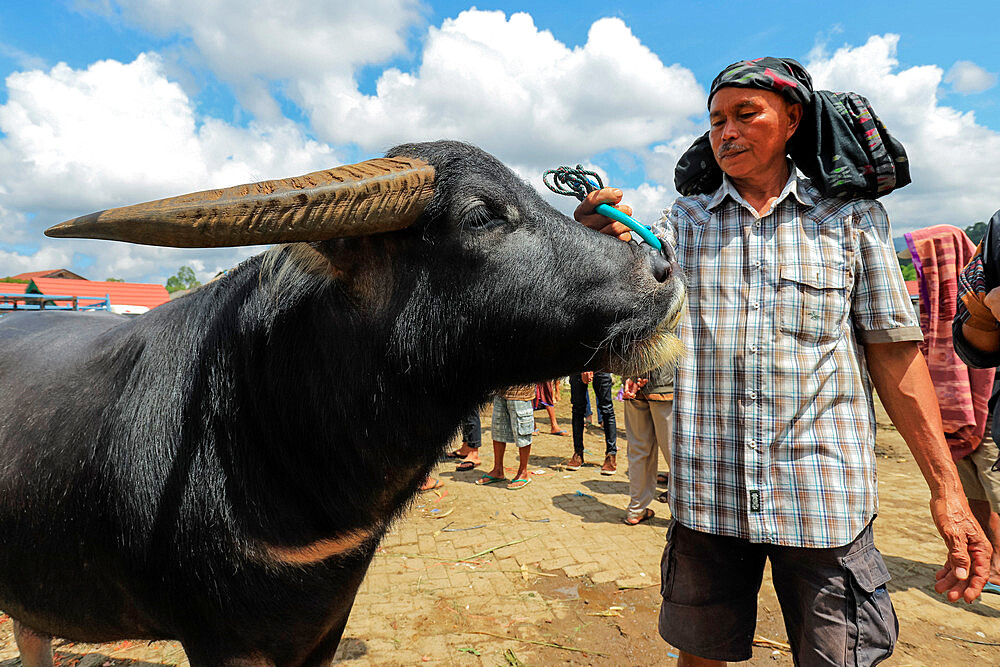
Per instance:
(379,195)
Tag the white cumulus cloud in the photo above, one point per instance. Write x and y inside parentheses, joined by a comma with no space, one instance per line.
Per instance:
(516,91)
(968,77)
(249,44)
(952,158)
(116,133)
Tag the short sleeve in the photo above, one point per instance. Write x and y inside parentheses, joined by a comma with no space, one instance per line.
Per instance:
(881,308)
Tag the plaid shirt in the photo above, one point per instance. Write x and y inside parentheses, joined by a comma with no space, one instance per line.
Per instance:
(774,426)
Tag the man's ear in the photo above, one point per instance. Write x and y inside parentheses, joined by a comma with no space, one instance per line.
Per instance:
(794,111)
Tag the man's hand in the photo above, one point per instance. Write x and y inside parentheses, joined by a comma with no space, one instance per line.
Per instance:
(585,213)
(587,377)
(900,376)
(968,566)
(631,387)
(992,298)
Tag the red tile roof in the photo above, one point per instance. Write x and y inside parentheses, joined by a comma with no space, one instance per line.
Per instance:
(913,287)
(121,294)
(13,288)
(49,273)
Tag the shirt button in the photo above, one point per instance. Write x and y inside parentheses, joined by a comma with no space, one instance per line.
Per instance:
(753,444)
(753,349)
(753,395)
(755,305)
(756,264)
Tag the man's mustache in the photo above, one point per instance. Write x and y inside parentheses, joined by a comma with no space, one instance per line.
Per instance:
(731,148)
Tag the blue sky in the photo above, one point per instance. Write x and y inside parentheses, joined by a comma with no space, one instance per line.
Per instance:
(108,102)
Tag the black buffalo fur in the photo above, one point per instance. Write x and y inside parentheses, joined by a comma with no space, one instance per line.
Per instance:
(145,463)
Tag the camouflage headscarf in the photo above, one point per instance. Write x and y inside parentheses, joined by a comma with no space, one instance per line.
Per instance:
(841,145)
(781,75)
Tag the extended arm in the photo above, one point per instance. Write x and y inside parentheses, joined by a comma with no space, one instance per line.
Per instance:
(900,376)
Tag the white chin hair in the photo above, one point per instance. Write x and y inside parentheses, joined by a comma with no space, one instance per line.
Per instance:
(662,349)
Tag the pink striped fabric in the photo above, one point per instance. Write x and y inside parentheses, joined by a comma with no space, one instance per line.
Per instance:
(939,254)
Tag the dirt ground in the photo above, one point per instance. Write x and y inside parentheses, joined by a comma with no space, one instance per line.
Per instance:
(550,575)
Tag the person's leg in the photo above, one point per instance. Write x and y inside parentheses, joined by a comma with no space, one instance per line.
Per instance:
(521,478)
(662,413)
(472,440)
(985,510)
(498,451)
(501,433)
(523,421)
(35,649)
(834,602)
(606,408)
(554,427)
(709,584)
(577,397)
(641,450)
(687,660)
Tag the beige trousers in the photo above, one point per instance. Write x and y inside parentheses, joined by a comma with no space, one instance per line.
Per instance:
(649,428)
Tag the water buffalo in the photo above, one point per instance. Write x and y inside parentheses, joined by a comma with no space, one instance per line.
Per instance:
(220,470)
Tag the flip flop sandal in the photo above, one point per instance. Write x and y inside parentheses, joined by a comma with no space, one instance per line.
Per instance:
(635,520)
(466,465)
(562,432)
(661,479)
(489,479)
(454,455)
(663,497)
(991,588)
(436,485)
(518,483)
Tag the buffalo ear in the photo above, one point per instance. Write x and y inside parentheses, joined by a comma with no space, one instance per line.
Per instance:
(380,195)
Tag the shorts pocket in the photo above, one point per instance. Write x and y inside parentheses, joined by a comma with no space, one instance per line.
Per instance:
(525,418)
(874,620)
(814,301)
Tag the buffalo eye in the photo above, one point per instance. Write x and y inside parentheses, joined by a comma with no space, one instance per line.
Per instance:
(479,217)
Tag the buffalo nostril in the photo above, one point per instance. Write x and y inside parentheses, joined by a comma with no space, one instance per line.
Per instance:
(661,266)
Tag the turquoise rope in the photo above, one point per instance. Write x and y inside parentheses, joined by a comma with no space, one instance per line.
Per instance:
(640,229)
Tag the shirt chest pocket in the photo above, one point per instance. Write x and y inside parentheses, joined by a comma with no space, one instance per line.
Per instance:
(814,301)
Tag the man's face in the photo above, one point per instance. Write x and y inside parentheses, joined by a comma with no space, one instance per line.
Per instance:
(749,130)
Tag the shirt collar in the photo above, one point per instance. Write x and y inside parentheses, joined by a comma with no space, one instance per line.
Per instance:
(797,186)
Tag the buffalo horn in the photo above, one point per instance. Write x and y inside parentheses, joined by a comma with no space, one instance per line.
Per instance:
(380,195)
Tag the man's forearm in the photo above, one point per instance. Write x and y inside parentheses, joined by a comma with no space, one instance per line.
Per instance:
(900,376)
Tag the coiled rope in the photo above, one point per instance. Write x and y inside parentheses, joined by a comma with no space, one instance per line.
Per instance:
(577,183)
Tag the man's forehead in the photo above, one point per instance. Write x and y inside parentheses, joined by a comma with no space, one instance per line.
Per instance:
(734,97)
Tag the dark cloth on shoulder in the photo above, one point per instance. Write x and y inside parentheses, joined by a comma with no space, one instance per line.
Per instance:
(841,144)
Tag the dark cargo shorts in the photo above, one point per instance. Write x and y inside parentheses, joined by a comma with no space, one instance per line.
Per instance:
(836,608)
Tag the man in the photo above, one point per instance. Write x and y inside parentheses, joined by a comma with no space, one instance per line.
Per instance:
(605,408)
(976,336)
(773,453)
(649,419)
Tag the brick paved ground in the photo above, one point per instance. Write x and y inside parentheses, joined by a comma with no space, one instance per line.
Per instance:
(565,570)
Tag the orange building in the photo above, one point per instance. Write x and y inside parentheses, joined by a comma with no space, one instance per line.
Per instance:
(124,298)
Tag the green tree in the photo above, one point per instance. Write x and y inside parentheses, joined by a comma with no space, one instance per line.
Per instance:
(184,279)
(909,273)
(976,231)
(114,280)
